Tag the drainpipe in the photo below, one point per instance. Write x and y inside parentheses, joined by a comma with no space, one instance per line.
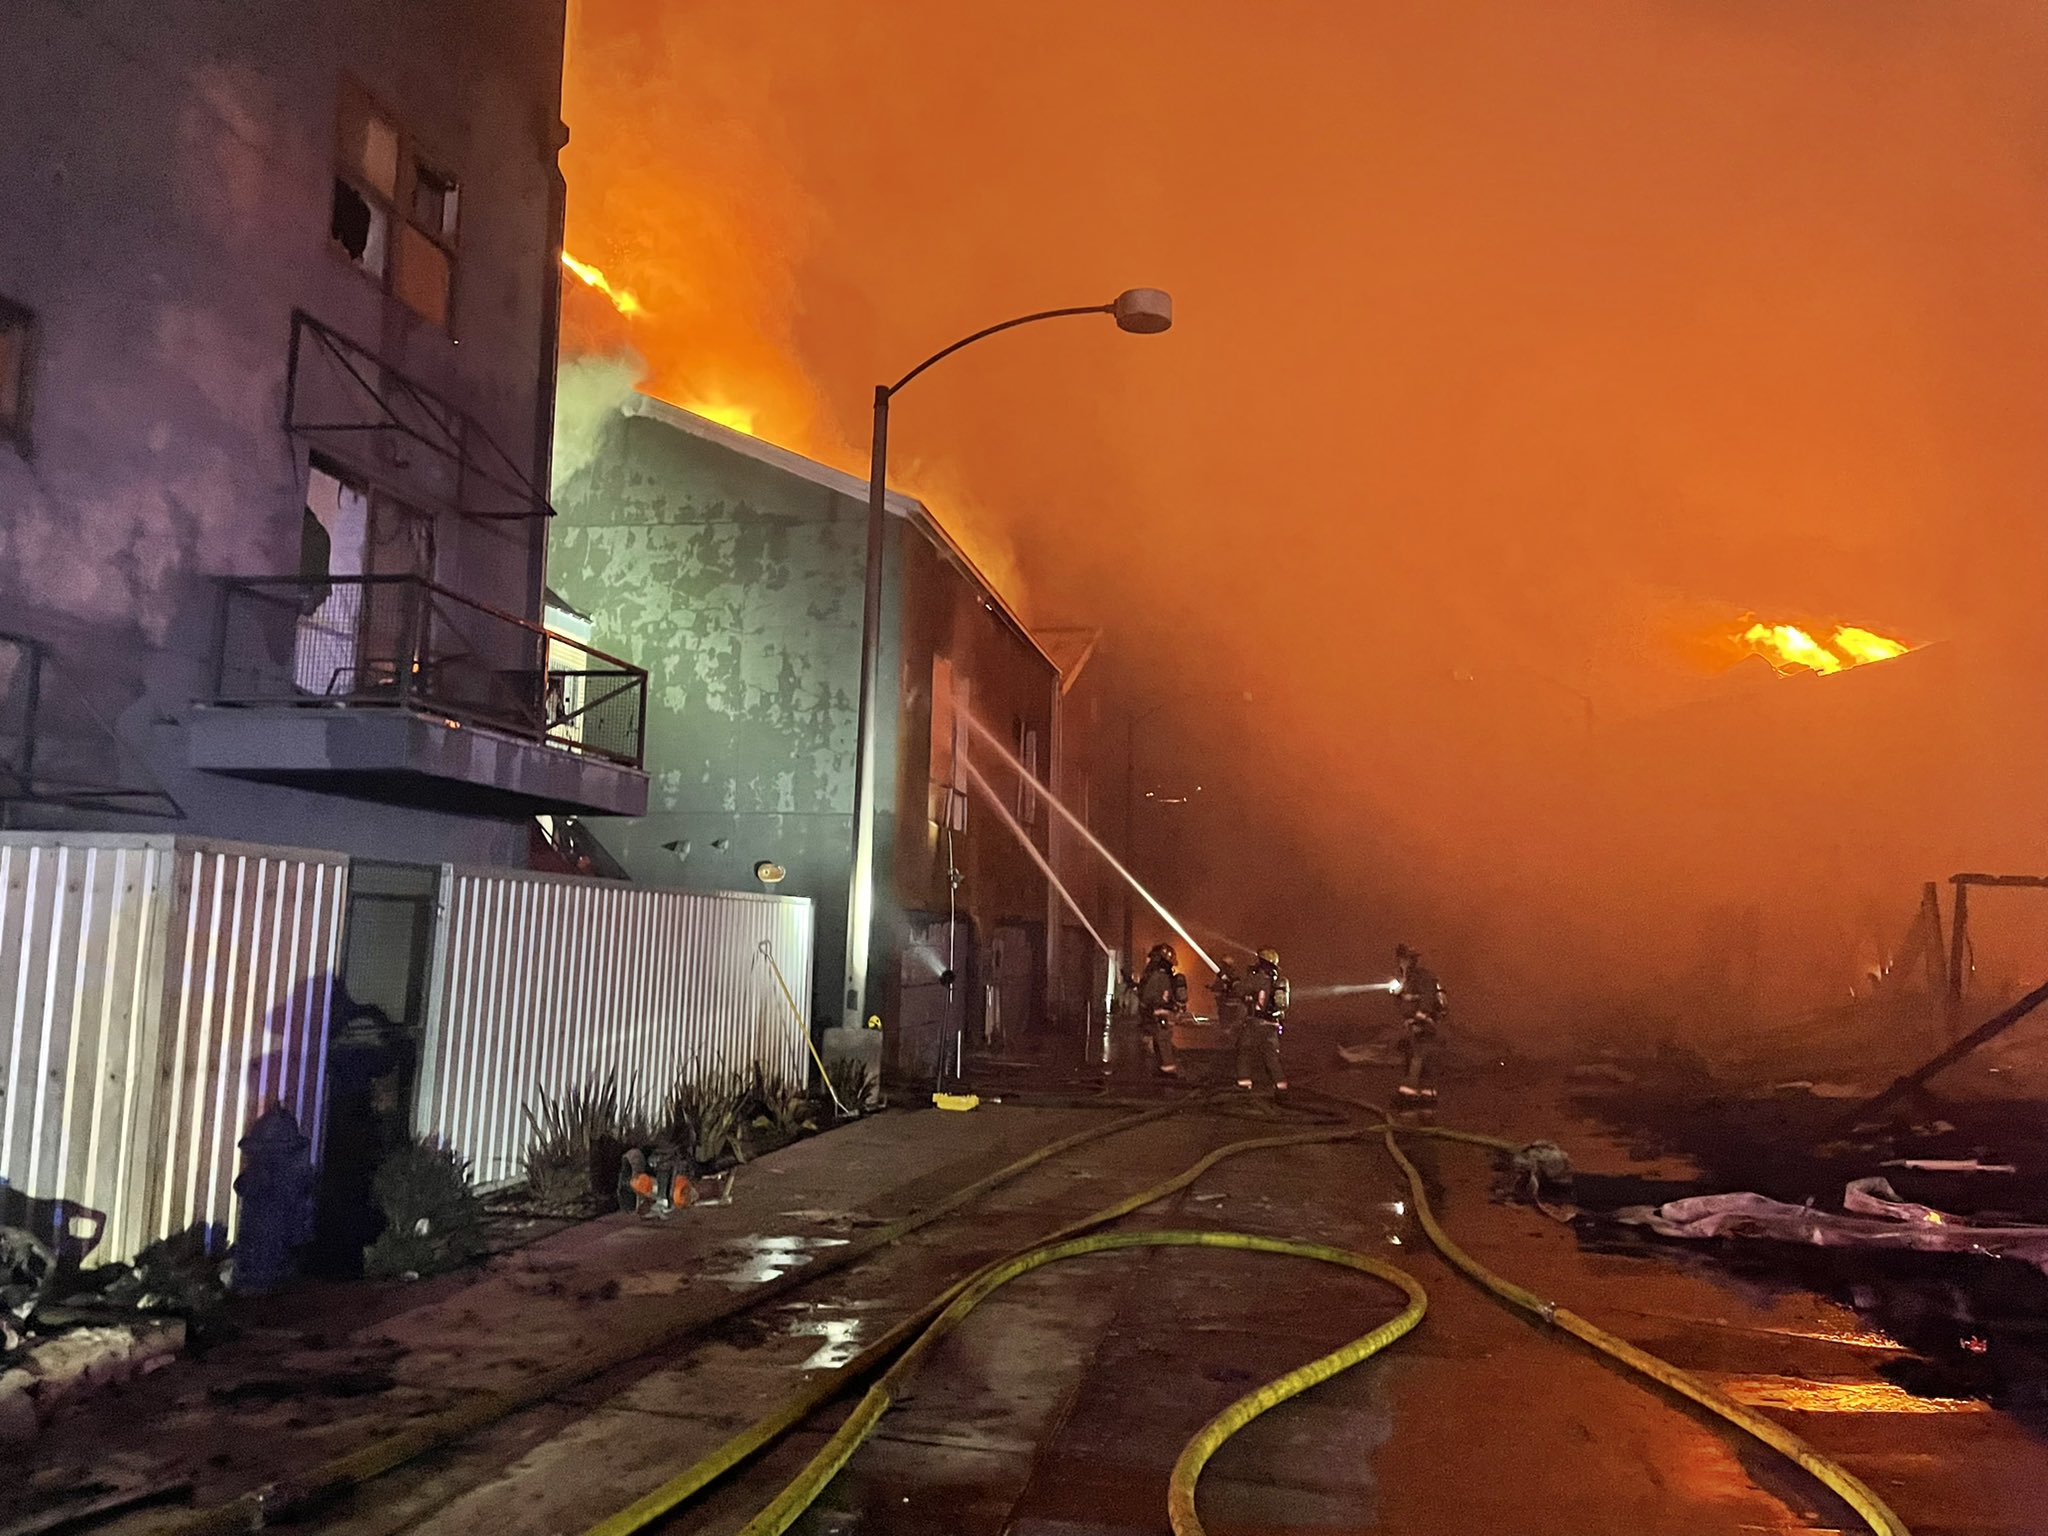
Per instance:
(550,362)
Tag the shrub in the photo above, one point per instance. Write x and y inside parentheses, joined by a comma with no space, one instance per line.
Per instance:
(572,1159)
(702,1117)
(856,1084)
(433,1220)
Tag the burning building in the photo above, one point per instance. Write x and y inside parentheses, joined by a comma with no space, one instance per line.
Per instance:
(735,569)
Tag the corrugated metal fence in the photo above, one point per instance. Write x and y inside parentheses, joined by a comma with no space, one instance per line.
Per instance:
(543,982)
(159,992)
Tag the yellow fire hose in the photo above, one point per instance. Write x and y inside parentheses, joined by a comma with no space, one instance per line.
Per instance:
(265,1506)
(943,1313)
(1854,1492)
(801,1404)
(790,1504)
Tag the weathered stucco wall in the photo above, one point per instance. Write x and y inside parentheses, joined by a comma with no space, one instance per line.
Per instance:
(737,583)
(167,187)
(738,587)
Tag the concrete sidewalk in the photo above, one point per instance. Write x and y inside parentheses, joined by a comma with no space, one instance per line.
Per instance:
(325,1369)
(1057,1410)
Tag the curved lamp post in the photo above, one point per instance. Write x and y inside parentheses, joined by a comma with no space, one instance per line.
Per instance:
(1142,311)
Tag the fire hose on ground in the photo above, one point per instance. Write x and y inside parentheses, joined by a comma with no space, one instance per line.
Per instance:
(915,1337)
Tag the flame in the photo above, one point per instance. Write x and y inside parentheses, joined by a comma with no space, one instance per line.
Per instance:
(722,410)
(1861,645)
(1790,648)
(1787,645)
(622,299)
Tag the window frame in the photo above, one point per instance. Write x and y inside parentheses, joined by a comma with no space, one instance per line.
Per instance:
(415,163)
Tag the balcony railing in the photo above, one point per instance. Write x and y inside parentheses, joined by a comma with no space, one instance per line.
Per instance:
(400,642)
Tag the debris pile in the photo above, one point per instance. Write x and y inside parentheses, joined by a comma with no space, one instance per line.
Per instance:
(1872,1216)
(65,1331)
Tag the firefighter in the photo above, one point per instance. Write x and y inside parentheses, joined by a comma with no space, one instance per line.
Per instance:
(1229,989)
(1264,1005)
(1422,1007)
(1162,994)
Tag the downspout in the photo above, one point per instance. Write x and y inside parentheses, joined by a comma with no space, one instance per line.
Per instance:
(550,341)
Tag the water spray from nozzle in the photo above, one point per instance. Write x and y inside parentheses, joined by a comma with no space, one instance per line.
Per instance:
(1346,989)
(1093,841)
(1023,838)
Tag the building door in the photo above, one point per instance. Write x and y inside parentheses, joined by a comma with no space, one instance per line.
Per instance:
(333,547)
(357,636)
(373,1049)
(1010,973)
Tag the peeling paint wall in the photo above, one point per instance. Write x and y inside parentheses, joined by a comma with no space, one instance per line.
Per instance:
(166,188)
(737,584)
(738,587)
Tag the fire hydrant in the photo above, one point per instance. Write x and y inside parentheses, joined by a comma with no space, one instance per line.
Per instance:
(276,1185)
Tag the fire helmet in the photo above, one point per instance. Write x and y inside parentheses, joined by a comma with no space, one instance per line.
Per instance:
(1403,952)
(1163,954)
(1269,957)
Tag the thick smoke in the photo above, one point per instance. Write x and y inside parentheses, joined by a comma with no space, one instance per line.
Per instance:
(588,396)
(1521,351)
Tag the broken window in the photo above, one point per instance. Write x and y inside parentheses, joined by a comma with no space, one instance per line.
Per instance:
(394,214)
(17,341)
(360,228)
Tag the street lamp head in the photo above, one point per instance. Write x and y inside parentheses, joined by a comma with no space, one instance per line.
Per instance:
(1145,311)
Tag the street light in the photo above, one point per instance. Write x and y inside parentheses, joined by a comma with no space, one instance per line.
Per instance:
(1142,311)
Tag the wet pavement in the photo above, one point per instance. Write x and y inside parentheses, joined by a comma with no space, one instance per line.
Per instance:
(1058,1407)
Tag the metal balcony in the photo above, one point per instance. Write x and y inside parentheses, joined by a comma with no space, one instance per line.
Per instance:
(393,688)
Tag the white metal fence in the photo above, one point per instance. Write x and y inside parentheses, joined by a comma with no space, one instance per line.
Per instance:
(544,982)
(159,993)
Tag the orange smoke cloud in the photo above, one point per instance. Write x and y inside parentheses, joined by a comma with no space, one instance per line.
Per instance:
(1505,331)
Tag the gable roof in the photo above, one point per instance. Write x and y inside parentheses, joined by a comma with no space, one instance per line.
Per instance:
(897,504)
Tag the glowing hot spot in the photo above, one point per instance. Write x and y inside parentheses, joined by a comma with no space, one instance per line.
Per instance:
(1791,648)
(621,298)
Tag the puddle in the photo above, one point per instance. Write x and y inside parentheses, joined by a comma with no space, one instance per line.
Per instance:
(1791,1394)
(757,1260)
(838,1341)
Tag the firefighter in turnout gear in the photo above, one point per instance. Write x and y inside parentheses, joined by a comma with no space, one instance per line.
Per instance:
(1264,992)
(1422,1007)
(1162,995)
(1229,989)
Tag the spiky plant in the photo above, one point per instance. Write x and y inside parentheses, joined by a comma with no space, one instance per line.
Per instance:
(572,1156)
(789,1106)
(856,1084)
(702,1116)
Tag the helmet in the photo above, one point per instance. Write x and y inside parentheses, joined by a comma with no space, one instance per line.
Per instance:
(1269,956)
(1163,954)
(1403,952)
